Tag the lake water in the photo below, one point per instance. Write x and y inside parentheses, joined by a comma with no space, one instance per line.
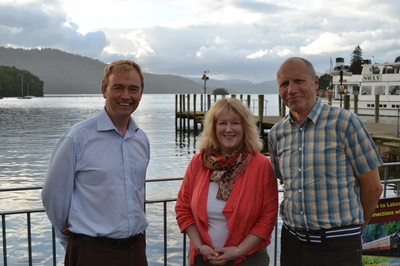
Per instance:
(29,131)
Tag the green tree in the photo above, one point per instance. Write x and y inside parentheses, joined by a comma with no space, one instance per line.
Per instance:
(13,81)
(356,61)
(324,82)
(220,91)
(397,59)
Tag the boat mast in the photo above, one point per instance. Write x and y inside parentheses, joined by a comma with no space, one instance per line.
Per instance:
(22,87)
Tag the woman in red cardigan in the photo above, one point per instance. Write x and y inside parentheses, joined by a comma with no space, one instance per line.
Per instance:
(228,201)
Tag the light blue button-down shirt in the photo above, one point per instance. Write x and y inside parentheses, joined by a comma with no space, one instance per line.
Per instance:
(95,180)
(319,161)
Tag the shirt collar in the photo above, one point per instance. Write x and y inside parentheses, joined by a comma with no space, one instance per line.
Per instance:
(104,123)
(313,115)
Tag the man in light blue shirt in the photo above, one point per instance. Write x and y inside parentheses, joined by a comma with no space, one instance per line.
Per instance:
(94,188)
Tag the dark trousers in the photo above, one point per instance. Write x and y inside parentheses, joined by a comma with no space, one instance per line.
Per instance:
(344,251)
(258,258)
(85,253)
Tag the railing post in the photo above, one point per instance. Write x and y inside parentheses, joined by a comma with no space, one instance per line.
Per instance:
(53,243)
(3,226)
(165,233)
(28,224)
(398,121)
(184,249)
(376,108)
(248,101)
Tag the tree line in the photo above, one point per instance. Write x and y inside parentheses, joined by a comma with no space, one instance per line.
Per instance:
(16,82)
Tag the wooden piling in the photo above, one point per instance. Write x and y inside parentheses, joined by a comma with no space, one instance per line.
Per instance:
(180,111)
(346,102)
(248,100)
(208,101)
(194,114)
(183,109)
(280,105)
(330,99)
(260,114)
(355,104)
(188,111)
(282,109)
(176,111)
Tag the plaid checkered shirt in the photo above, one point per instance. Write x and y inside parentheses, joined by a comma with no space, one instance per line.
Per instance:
(318,161)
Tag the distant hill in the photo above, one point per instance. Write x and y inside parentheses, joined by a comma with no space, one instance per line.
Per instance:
(66,73)
(241,86)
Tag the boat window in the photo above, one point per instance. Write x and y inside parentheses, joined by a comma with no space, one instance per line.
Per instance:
(394,90)
(366,90)
(380,90)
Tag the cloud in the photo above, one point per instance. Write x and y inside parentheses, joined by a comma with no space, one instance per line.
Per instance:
(245,39)
(43,25)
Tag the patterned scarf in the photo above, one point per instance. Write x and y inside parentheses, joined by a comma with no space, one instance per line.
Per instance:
(226,169)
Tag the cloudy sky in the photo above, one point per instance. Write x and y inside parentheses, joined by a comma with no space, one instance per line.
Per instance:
(233,39)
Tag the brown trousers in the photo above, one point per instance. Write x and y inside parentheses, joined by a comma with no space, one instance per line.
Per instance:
(83,253)
(258,258)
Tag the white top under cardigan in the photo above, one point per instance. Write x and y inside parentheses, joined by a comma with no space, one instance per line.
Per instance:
(217,229)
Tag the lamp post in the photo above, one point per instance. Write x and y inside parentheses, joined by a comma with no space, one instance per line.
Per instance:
(341,89)
(205,78)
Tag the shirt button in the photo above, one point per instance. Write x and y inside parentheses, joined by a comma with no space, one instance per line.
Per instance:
(301,212)
(299,169)
(301,129)
(300,149)
(300,190)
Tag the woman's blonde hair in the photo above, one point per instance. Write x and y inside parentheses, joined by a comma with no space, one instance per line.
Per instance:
(251,138)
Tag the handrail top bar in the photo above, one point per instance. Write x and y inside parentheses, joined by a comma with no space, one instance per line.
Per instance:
(20,188)
(390,181)
(181,178)
(21,211)
(40,187)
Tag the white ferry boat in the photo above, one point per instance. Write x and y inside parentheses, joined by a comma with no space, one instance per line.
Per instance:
(381,79)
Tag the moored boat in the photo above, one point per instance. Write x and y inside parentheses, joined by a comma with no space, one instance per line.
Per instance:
(381,79)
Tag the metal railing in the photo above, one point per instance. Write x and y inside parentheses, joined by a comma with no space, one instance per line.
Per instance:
(387,179)
(398,122)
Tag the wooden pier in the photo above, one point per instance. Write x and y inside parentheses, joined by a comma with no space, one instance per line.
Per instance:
(189,116)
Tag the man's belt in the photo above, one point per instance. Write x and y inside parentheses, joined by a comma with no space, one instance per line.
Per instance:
(115,242)
(317,236)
